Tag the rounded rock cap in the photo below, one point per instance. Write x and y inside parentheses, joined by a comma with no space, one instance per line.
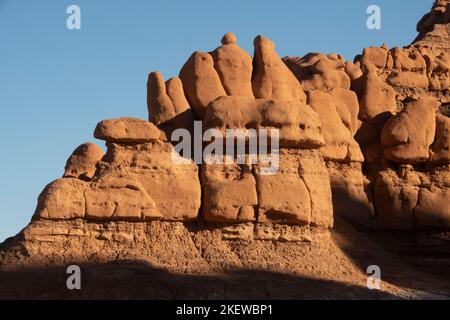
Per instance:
(229,38)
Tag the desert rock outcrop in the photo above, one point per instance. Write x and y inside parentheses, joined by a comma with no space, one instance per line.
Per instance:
(367,140)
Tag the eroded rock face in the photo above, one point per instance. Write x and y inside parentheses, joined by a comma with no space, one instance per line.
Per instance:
(339,142)
(351,197)
(82,164)
(118,197)
(175,188)
(407,199)
(317,71)
(229,193)
(62,199)
(299,193)
(440,149)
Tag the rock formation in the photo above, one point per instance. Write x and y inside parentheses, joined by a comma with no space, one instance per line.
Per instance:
(366,140)
(371,133)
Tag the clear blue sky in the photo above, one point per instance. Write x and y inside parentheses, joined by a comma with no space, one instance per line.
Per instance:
(56,84)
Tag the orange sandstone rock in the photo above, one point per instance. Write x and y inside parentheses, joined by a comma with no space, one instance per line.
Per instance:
(201,82)
(272,79)
(234,67)
(127,131)
(82,164)
(406,138)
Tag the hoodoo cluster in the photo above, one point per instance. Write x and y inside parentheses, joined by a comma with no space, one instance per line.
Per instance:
(368,140)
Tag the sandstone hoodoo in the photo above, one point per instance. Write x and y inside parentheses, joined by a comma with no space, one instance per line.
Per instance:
(365,141)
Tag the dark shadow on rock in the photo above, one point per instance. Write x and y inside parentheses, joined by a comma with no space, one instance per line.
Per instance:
(137,280)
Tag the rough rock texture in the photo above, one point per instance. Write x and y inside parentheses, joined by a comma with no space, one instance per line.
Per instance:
(403,135)
(82,164)
(409,199)
(351,197)
(318,71)
(339,142)
(440,149)
(160,106)
(328,91)
(229,193)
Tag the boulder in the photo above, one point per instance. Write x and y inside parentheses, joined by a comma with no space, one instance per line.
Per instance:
(183,114)
(82,164)
(201,82)
(406,138)
(377,98)
(376,56)
(234,67)
(317,71)
(160,106)
(127,131)
(272,79)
